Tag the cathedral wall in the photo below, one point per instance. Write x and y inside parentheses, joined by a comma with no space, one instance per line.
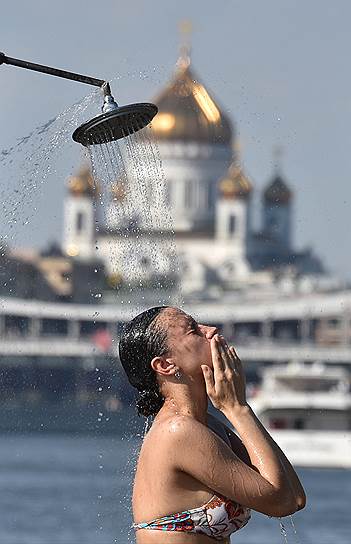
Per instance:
(79,226)
(191,173)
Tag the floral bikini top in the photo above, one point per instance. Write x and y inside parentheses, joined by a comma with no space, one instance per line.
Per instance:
(218,519)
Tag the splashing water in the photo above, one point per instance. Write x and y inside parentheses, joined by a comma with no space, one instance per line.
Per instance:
(134,227)
(137,234)
(283,531)
(31,165)
(296,536)
(147,425)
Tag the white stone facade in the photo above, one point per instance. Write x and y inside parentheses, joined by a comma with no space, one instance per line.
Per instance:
(191,172)
(79,226)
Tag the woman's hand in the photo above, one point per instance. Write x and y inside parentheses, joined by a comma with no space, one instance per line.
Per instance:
(225,384)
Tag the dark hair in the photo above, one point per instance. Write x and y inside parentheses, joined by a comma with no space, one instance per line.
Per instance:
(142,340)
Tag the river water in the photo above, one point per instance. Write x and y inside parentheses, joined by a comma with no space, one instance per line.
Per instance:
(60,489)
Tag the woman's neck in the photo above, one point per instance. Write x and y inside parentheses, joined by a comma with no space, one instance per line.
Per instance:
(188,401)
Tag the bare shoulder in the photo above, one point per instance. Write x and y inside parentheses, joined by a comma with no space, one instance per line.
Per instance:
(179,431)
(186,435)
(184,431)
(177,427)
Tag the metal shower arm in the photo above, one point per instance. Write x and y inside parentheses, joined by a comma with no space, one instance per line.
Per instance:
(51,71)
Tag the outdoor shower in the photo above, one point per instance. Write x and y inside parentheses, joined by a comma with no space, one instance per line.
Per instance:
(114,123)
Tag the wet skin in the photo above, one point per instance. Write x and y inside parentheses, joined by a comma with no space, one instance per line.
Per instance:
(160,488)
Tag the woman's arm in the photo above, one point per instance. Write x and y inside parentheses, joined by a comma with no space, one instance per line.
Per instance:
(199,452)
(226,389)
(239,449)
(264,451)
(196,450)
(230,438)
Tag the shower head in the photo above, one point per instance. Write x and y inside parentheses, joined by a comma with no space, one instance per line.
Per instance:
(115,124)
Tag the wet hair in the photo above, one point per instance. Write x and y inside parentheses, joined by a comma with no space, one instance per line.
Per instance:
(143,339)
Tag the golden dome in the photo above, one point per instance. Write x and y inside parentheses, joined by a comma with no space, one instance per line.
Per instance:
(187,112)
(277,191)
(235,183)
(83,184)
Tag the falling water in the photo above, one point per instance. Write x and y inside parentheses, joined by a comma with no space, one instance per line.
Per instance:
(134,231)
(136,219)
(133,216)
(30,167)
(296,536)
(283,531)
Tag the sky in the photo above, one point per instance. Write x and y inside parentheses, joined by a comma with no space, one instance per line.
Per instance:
(279,69)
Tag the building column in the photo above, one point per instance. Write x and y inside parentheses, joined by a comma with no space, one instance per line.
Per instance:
(73,329)
(34,327)
(267,329)
(305,330)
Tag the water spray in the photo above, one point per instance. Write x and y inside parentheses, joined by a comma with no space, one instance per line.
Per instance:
(114,123)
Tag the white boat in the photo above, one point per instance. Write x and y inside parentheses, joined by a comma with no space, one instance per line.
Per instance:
(307,410)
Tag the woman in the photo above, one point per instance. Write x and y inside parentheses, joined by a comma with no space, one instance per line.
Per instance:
(196,481)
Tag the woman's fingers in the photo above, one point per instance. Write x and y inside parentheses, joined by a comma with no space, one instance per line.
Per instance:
(236,359)
(234,353)
(226,354)
(225,384)
(217,359)
(224,358)
(209,379)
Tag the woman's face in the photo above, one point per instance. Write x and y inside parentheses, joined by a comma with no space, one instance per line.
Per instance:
(188,341)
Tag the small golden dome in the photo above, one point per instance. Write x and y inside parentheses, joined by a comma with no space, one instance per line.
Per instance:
(235,183)
(187,112)
(277,191)
(83,184)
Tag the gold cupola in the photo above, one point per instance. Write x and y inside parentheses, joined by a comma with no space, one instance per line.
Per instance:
(187,112)
(235,183)
(83,183)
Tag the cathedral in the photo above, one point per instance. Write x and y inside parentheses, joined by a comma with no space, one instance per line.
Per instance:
(210,201)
